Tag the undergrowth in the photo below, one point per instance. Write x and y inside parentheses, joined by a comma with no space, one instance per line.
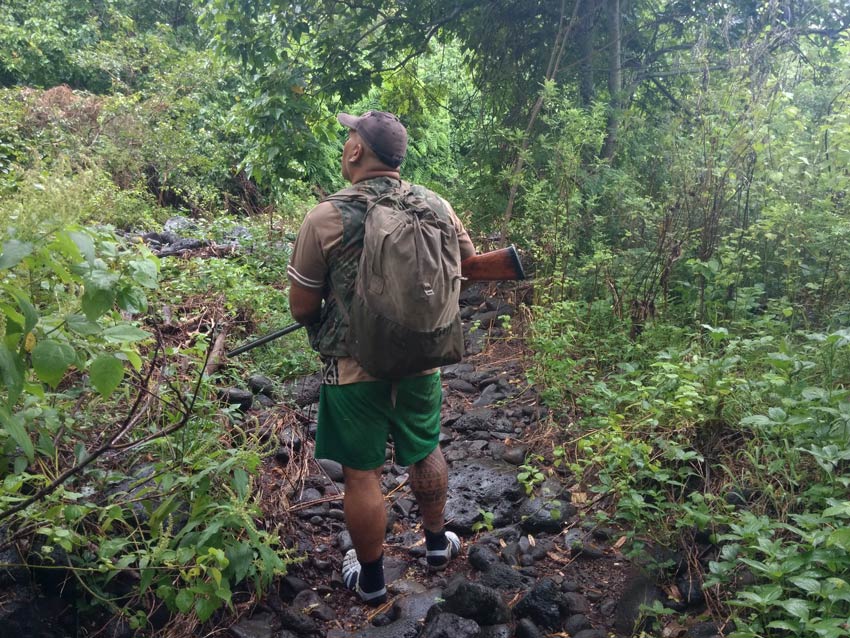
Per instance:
(739,434)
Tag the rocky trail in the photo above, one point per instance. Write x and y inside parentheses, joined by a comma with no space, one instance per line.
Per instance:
(532,563)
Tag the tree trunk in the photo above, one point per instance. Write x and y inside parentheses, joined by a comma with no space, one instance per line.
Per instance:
(615,76)
(584,42)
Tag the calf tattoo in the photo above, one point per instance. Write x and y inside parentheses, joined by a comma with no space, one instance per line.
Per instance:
(429,480)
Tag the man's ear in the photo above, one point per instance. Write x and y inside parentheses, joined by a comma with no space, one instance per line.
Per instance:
(356,153)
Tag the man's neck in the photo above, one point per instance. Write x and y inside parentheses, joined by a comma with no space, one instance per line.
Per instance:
(372,174)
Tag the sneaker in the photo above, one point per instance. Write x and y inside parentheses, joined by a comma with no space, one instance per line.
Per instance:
(351,577)
(438,559)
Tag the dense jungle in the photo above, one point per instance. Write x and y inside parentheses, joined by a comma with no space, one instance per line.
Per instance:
(648,436)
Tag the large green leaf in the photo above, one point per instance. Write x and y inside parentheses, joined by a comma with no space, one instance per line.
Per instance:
(27,309)
(132,299)
(13,252)
(11,373)
(85,245)
(97,301)
(50,360)
(841,538)
(14,426)
(144,272)
(124,333)
(82,326)
(106,373)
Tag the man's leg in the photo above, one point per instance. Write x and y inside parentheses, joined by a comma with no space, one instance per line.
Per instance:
(365,514)
(429,480)
(366,520)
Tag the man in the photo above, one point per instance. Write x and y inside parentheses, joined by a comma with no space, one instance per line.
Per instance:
(357,413)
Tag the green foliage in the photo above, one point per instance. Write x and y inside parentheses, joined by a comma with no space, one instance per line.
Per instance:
(654,424)
(72,352)
(486,522)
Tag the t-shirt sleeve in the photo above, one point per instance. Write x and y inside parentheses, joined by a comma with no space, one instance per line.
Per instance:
(320,232)
(467,248)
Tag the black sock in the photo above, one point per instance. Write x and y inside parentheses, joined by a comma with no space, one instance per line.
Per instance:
(372,575)
(436,540)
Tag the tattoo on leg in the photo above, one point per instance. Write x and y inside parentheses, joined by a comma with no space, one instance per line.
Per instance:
(429,480)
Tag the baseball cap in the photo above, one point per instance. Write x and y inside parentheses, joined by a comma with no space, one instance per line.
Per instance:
(382,131)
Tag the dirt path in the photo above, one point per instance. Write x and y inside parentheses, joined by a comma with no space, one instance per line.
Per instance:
(528,546)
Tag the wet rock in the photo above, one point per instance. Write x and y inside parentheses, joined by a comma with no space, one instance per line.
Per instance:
(511,553)
(296,620)
(303,391)
(290,438)
(543,604)
(481,484)
(575,603)
(474,420)
(591,633)
(472,296)
(181,246)
(33,615)
(501,307)
(608,608)
(461,386)
(704,630)
(343,541)
(332,469)
(290,586)
(403,628)
(501,576)
(406,587)
(490,395)
(640,591)
(482,558)
(456,369)
(475,341)
(260,384)
(690,586)
(447,625)
(394,568)
(602,534)
(261,625)
(526,628)
(486,319)
(472,600)
(12,570)
(404,506)
(541,548)
(263,401)
(545,515)
(496,631)
(313,604)
(515,454)
(580,545)
(309,494)
(416,606)
(576,623)
(239,397)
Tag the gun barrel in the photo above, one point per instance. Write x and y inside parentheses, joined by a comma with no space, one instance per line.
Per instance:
(263,340)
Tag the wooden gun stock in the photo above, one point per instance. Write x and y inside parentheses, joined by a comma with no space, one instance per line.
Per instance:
(497,265)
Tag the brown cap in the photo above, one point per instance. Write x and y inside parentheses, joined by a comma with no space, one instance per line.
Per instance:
(382,131)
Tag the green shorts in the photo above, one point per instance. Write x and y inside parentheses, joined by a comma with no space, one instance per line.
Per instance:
(356,419)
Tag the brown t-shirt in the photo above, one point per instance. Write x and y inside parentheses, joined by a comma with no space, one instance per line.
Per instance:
(320,233)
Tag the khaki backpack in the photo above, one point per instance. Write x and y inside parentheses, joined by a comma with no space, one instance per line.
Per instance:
(405,315)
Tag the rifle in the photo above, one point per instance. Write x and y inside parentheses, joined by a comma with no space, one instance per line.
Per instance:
(497,265)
